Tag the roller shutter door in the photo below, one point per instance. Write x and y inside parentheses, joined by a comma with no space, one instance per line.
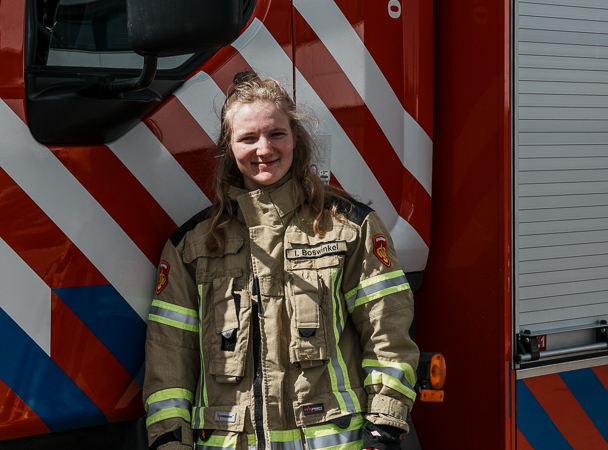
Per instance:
(560,163)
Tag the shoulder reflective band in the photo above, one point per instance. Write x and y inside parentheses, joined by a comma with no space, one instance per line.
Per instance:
(285,440)
(376,287)
(174,316)
(338,373)
(169,403)
(397,376)
(216,442)
(330,435)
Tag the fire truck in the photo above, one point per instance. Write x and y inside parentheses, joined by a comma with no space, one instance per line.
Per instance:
(477,129)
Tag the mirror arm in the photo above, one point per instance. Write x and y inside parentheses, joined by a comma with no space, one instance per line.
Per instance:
(113,88)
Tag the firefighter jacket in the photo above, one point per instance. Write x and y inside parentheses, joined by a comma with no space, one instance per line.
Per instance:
(287,338)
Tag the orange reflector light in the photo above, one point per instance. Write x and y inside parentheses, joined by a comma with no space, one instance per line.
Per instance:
(437,372)
(429,395)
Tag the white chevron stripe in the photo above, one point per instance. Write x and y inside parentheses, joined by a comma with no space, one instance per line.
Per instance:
(57,192)
(25,297)
(160,173)
(203,99)
(259,48)
(408,139)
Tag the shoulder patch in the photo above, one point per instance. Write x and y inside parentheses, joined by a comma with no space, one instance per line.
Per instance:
(163,276)
(380,249)
(190,224)
(354,211)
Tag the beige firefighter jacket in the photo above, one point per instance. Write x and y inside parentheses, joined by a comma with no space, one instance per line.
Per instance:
(330,336)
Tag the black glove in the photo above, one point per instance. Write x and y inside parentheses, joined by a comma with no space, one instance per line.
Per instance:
(382,437)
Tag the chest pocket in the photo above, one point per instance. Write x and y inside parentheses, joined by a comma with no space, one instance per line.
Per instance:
(308,344)
(225,310)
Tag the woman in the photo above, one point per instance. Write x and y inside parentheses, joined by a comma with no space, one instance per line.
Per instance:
(281,314)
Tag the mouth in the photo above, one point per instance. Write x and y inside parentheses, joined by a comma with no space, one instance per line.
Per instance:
(265,164)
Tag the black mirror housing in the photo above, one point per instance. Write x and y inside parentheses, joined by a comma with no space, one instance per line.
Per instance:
(177,27)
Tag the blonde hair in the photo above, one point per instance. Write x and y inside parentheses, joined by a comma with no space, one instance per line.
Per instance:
(248,89)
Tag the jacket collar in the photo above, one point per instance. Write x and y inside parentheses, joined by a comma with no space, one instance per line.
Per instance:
(261,205)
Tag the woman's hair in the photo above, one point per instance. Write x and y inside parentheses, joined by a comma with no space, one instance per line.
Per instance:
(249,88)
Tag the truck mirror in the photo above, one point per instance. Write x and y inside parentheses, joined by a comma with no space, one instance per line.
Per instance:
(176,27)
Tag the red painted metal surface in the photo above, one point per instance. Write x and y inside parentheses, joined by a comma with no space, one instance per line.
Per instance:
(382,37)
(565,411)
(465,292)
(12,84)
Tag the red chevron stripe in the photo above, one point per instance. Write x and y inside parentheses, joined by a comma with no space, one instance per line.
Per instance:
(407,195)
(57,261)
(40,243)
(16,418)
(384,38)
(522,442)
(225,74)
(184,138)
(91,365)
(602,373)
(117,190)
(565,411)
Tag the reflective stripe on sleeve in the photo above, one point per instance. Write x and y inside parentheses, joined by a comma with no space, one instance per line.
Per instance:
(173,315)
(337,370)
(330,435)
(216,442)
(376,287)
(397,376)
(169,403)
(285,440)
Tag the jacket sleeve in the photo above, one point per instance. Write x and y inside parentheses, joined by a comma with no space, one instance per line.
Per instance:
(381,306)
(172,353)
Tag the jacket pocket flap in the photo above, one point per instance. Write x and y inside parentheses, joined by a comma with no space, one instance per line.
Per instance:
(198,249)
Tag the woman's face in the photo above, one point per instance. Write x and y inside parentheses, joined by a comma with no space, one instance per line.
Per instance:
(262,143)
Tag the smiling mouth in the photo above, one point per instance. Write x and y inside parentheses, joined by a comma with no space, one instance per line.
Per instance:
(264,164)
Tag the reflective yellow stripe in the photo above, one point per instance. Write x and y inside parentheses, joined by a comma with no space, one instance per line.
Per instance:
(338,372)
(174,316)
(376,287)
(331,436)
(168,413)
(283,435)
(175,308)
(220,441)
(397,376)
(167,394)
(198,418)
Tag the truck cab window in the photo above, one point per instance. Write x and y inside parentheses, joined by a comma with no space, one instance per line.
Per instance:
(85,33)
(76,48)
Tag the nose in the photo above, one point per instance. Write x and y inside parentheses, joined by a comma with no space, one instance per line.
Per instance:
(264,146)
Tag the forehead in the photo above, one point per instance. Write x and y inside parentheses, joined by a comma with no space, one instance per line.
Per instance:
(261,113)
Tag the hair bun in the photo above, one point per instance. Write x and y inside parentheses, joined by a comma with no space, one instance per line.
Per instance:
(244,77)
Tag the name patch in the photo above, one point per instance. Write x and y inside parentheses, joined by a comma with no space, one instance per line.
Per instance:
(225,416)
(313,409)
(317,251)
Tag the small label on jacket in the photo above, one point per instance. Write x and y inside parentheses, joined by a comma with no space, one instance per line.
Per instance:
(225,416)
(317,251)
(313,409)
